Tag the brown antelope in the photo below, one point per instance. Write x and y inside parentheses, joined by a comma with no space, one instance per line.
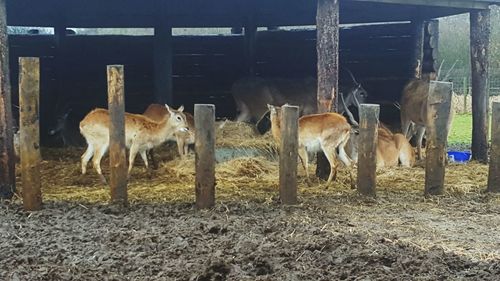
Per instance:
(252,94)
(157,112)
(318,132)
(141,134)
(414,108)
(392,149)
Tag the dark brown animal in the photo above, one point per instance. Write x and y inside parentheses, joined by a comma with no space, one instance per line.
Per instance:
(252,95)
(414,109)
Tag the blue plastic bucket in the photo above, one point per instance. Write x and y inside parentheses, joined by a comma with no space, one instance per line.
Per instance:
(459,156)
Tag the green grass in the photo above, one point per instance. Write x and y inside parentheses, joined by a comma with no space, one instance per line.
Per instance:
(461,129)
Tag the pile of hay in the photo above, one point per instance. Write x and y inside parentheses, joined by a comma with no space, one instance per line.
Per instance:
(241,134)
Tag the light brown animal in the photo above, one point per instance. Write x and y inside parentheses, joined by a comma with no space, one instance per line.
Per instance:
(392,149)
(414,109)
(318,132)
(157,112)
(141,134)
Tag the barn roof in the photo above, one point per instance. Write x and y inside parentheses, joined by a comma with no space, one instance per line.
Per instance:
(222,13)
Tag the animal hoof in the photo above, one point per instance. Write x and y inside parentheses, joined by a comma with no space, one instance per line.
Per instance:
(103,180)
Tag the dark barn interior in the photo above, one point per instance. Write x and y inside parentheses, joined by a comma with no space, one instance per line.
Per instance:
(73,67)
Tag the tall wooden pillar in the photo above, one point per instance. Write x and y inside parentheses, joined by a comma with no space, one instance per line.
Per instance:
(59,38)
(418,48)
(163,90)
(162,55)
(7,159)
(250,42)
(431,47)
(479,47)
(327,25)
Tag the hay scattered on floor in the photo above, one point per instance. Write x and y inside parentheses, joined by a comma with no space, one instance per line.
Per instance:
(253,179)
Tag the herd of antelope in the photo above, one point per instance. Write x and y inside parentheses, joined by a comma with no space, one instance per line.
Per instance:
(330,133)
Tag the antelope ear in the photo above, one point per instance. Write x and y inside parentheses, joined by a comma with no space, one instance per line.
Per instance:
(181,108)
(168,108)
(270,107)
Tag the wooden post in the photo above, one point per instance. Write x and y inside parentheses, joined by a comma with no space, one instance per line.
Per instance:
(204,120)
(163,89)
(288,154)
(479,47)
(367,148)
(494,172)
(7,158)
(466,93)
(430,61)
(117,153)
(438,114)
(236,30)
(327,45)
(60,70)
(250,42)
(29,93)
(418,48)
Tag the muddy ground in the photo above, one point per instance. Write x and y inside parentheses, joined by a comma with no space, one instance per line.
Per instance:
(333,234)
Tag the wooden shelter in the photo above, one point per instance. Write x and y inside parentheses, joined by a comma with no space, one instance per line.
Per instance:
(397,37)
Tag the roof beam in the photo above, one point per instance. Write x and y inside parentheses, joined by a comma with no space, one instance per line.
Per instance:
(439,3)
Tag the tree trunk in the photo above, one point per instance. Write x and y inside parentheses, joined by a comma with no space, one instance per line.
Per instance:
(327,24)
(479,47)
(117,148)
(7,159)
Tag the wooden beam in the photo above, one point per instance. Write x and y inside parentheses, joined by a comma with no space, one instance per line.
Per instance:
(438,114)
(29,126)
(367,148)
(250,43)
(479,47)
(204,121)
(7,158)
(60,70)
(327,46)
(289,154)
(494,170)
(437,3)
(117,152)
(417,58)
(163,87)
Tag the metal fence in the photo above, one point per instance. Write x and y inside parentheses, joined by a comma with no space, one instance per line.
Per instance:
(462,85)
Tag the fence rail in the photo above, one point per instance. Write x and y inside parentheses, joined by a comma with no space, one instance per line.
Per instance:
(461,79)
